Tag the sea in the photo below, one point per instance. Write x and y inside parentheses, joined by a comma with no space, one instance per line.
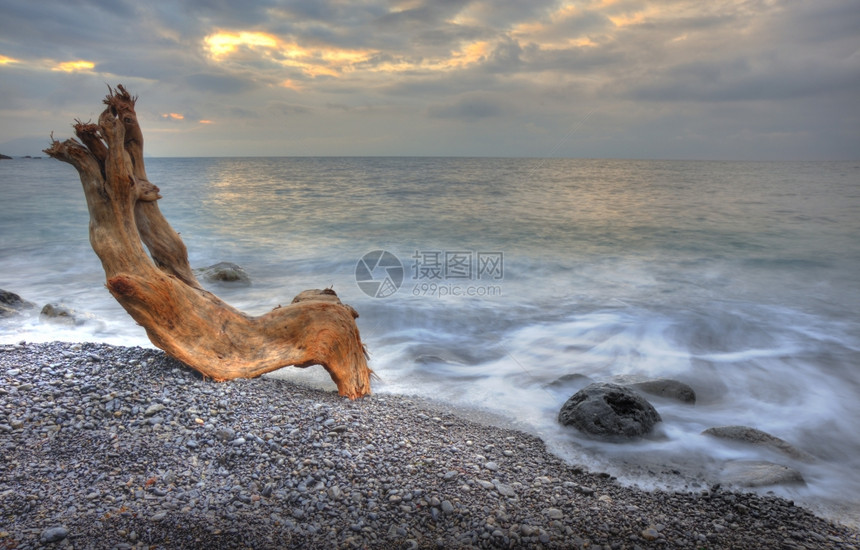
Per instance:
(501,286)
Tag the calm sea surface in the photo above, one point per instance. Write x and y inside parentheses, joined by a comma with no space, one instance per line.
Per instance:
(485,281)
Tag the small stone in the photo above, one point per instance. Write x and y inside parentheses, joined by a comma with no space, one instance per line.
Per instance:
(153,409)
(54,534)
(650,534)
(553,513)
(224,434)
(447,507)
(492,466)
(450,474)
(158,516)
(503,489)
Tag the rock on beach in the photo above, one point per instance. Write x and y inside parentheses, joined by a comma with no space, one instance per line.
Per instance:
(753,436)
(224,272)
(661,387)
(135,450)
(609,411)
(12,304)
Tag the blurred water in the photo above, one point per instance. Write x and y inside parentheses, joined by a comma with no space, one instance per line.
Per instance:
(740,279)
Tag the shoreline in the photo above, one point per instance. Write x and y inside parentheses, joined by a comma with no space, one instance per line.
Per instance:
(124,447)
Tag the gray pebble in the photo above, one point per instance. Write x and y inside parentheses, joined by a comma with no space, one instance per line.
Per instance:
(137,450)
(153,409)
(54,534)
(553,513)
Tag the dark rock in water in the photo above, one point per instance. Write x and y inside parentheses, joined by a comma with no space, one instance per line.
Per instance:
(753,436)
(12,304)
(570,380)
(759,473)
(609,411)
(662,387)
(4,157)
(224,272)
(59,313)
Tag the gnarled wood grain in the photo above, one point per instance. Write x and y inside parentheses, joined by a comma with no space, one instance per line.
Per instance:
(159,289)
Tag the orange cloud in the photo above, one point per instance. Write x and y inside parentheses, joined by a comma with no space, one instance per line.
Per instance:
(74,66)
(173,116)
(326,60)
(625,20)
(7,60)
(548,33)
(291,85)
(222,44)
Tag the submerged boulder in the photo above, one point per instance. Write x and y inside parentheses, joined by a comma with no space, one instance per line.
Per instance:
(661,387)
(752,436)
(609,411)
(568,381)
(224,272)
(59,313)
(12,304)
(759,473)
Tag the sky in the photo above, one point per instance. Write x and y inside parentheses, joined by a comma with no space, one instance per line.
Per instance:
(721,79)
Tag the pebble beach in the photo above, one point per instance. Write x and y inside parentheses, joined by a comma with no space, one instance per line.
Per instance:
(113,447)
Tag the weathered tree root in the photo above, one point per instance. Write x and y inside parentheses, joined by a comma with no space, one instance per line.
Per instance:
(159,289)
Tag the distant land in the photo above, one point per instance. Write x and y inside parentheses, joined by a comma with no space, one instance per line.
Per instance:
(7,157)
(26,146)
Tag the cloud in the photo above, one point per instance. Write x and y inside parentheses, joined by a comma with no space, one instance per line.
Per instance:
(468,109)
(658,75)
(219,83)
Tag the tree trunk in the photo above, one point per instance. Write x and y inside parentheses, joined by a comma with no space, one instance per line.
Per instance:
(161,292)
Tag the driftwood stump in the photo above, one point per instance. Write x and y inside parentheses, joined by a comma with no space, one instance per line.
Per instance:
(162,294)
